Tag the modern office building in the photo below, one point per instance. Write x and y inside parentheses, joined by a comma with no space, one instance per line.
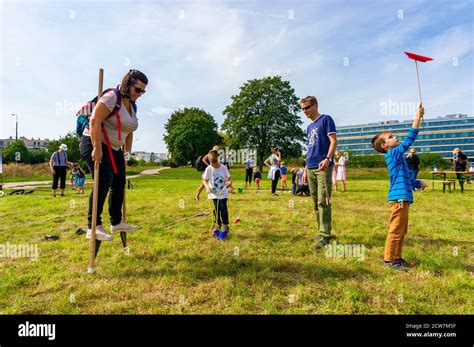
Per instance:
(440,135)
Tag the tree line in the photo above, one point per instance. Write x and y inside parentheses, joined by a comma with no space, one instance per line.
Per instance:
(264,114)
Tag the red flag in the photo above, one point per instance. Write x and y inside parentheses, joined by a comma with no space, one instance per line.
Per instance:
(418,57)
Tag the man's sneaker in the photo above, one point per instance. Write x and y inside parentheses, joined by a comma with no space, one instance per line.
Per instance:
(394,265)
(322,243)
(404,263)
(122,227)
(216,232)
(100,234)
(223,235)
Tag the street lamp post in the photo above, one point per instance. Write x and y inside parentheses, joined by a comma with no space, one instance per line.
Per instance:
(16,129)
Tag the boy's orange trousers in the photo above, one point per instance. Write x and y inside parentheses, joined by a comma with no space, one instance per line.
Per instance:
(397,230)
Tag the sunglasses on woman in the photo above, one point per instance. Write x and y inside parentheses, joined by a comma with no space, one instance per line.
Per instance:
(139,90)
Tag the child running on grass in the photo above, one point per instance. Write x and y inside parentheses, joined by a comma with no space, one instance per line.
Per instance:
(257,177)
(400,194)
(216,180)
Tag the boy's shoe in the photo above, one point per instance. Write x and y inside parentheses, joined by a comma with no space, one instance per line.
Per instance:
(322,243)
(394,265)
(404,263)
(223,235)
(122,226)
(216,232)
(100,234)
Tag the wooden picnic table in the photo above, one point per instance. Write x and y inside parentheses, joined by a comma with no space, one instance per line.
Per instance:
(445,172)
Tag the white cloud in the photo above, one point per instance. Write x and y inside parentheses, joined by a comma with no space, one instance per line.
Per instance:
(162,111)
(192,60)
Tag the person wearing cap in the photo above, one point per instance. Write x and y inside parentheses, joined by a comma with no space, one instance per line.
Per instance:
(58,165)
(460,164)
(413,163)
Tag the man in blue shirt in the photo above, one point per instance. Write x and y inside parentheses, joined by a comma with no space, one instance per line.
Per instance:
(322,142)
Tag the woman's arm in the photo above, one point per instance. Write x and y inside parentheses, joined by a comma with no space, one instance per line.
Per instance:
(99,115)
(267,163)
(205,160)
(277,156)
(129,143)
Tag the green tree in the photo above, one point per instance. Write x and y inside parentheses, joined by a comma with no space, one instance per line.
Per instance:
(190,132)
(264,115)
(38,156)
(428,160)
(72,142)
(16,152)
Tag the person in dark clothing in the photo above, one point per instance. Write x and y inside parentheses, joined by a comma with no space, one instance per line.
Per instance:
(460,164)
(58,165)
(293,180)
(107,141)
(413,163)
(257,176)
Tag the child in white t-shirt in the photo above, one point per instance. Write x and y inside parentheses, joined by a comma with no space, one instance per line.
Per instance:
(216,180)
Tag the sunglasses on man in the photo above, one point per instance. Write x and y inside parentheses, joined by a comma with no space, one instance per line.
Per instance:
(307,107)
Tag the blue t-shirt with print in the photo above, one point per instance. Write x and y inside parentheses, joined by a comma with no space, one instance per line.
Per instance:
(317,135)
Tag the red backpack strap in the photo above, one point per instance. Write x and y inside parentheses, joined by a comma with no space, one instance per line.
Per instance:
(109,148)
(116,110)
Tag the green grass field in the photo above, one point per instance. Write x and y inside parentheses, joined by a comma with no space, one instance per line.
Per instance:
(269,265)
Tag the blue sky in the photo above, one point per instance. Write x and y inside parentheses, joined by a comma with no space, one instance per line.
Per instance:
(349,54)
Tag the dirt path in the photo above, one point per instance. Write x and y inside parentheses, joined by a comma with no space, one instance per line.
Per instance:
(41,184)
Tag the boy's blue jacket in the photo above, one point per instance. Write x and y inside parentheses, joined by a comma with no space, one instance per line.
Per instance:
(401,184)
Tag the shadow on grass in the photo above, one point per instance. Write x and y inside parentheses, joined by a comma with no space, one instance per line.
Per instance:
(440,242)
(284,273)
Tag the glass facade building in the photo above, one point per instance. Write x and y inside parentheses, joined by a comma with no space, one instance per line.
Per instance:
(440,135)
